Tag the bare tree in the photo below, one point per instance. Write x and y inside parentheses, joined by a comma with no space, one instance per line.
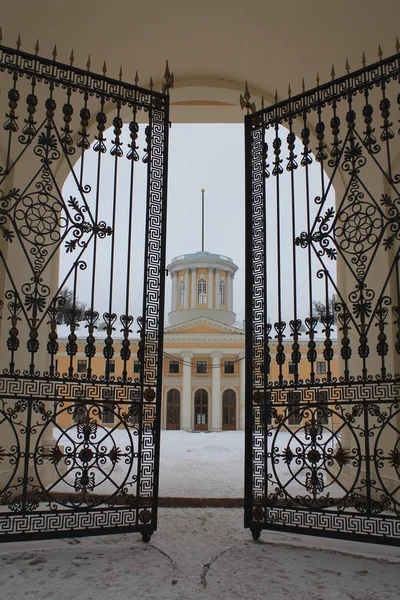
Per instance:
(68,310)
(321,309)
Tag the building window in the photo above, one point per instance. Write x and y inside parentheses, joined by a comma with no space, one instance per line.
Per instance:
(229,367)
(136,366)
(222,290)
(174,366)
(81,366)
(294,408)
(292,368)
(321,367)
(107,413)
(201,291)
(201,366)
(322,412)
(181,293)
(110,367)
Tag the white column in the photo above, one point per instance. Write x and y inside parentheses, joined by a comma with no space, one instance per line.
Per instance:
(216,399)
(210,287)
(186,401)
(173,291)
(230,291)
(242,396)
(194,286)
(186,305)
(217,289)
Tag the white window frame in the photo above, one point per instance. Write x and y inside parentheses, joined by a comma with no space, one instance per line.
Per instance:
(222,293)
(182,292)
(201,291)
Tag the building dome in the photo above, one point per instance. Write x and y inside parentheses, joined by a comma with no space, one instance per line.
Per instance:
(202,286)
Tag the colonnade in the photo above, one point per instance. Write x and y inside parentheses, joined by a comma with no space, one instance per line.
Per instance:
(215,399)
(191,279)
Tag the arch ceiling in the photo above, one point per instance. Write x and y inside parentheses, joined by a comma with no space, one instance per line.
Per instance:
(212,47)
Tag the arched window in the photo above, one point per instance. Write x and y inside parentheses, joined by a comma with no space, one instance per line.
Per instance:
(181,293)
(201,291)
(222,291)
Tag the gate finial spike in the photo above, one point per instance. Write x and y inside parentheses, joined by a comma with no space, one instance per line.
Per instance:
(333,72)
(168,82)
(1,34)
(88,63)
(276,96)
(71,58)
(397,44)
(151,84)
(19,41)
(136,80)
(380,53)
(347,66)
(363,60)
(37,47)
(245,101)
(262,102)
(120,73)
(289,91)
(55,52)
(303,86)
(104,69)
(317,79)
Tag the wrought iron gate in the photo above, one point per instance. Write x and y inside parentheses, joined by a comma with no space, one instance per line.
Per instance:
(322,310)
(79,430)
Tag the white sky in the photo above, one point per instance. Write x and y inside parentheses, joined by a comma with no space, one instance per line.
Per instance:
(201,156)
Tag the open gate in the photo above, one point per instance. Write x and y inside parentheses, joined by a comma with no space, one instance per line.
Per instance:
(79,440)
(322,310)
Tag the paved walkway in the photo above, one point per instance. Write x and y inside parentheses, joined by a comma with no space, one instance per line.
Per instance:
(199,554)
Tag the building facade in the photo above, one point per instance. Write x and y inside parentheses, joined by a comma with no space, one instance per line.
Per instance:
(204,351)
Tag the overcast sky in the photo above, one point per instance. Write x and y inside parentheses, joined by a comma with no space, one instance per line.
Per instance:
(201,156)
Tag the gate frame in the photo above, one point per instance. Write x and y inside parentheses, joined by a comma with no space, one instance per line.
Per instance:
(20,64)
(255,245)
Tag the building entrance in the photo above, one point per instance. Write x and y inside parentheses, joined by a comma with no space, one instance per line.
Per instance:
(201,410)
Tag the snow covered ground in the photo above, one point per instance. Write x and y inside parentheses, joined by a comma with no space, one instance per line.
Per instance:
(198,554)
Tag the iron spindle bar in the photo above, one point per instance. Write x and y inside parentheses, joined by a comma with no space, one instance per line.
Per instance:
(367,459)
(10,133)
(328,343)
(114,209)
(278,255)
(91,320)
(294,268)
(113,227)
(129,252)
(84,133)
(386,125)
(27,456)
(306,159)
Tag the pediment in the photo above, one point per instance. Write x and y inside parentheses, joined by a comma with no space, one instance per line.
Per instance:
(203,325)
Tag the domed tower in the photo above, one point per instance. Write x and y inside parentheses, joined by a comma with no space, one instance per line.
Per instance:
(202,286)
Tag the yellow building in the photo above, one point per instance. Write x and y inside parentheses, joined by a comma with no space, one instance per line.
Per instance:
(204,351)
